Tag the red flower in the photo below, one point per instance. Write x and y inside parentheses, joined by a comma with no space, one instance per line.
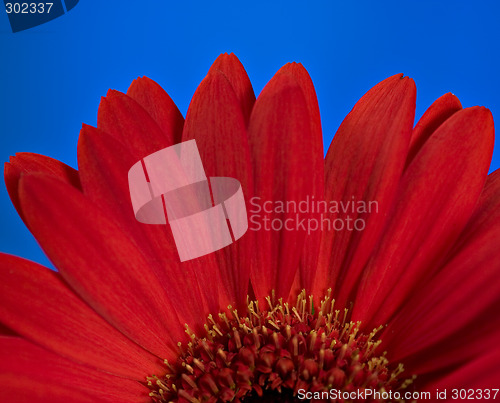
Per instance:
(422,271)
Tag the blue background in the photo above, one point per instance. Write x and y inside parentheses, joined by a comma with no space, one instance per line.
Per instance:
(52,76)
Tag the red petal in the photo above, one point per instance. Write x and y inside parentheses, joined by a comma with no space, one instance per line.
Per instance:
(284,153)
(462,290)
(29,374)
(233,70)
(436,198)
(127,121)
(160,107)
(33,163)
(309,259)
(441,109)
(214,119)
(100,262)
(104,163)
(363,165)
(35,302)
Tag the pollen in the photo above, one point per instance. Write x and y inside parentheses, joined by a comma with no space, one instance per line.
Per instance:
(279,349)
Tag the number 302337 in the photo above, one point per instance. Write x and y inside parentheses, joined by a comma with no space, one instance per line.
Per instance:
(28,8)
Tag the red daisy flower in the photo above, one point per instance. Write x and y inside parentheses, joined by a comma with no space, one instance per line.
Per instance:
(407,301)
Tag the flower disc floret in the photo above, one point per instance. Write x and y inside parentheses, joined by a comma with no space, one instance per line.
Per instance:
(281,348)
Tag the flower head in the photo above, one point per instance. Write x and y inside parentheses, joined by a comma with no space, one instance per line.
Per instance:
(374,268)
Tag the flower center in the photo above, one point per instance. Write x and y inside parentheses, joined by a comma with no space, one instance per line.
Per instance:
(278,353)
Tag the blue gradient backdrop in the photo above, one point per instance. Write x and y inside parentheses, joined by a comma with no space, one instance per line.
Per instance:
(52,76)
